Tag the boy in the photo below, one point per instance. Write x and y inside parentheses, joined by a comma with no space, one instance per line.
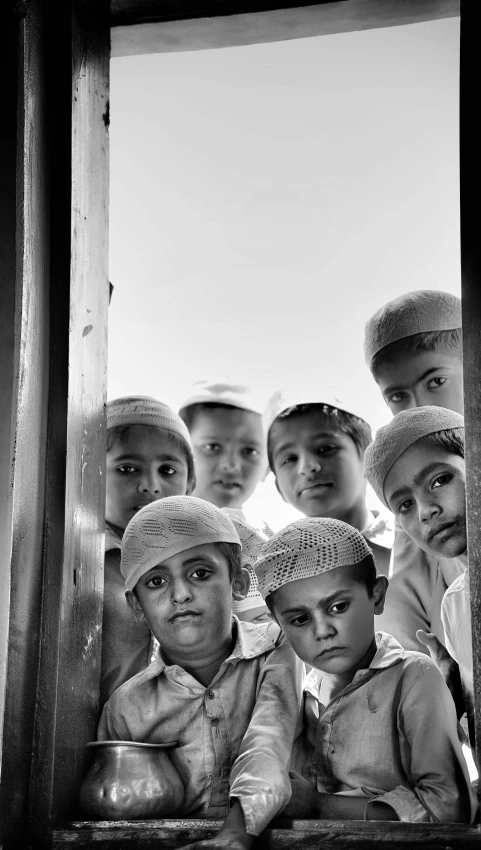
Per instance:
(416,466)
(226,430)
(315,447)
(381,736)
(149,456)
(413,347)
(216,682)
(252,608)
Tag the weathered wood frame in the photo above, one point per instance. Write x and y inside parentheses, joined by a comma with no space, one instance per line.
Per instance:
(53,315)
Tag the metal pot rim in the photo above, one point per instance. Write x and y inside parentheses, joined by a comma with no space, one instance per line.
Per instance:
(130,744)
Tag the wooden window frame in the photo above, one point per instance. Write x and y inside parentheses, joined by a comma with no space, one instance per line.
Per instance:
(53,317)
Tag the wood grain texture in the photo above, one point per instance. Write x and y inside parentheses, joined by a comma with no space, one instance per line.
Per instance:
(329,835)
(470,192)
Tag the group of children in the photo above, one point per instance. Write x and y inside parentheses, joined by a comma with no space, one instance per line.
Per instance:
(257,652)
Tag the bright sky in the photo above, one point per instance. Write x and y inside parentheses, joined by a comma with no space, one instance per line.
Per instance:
(266,200)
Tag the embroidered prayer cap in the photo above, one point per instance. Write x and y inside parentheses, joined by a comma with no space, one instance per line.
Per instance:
(252,541)
(221,392)
(307,548)
(144,410)
(421,311)
(405,429)
(167,527)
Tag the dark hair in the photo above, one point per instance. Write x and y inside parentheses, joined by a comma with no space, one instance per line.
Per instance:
(119,433)
(357,429)
(190,413)
(450,341)
(233,554)
(452,440)
(363,573)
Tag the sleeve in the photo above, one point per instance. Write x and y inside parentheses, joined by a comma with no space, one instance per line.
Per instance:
(439,788)
(260,777)
(112,726)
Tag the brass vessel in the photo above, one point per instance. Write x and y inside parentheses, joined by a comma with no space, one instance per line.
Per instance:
(129,780)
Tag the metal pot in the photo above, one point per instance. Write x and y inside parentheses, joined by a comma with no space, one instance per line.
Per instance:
(131,780)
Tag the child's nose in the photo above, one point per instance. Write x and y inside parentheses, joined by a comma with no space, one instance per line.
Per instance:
(181,592)
(310,464)
(427,510)
(323,628)
(230,462)
(150,483)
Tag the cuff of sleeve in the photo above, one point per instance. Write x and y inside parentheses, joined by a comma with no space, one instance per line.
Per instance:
(258,811)
(405,803)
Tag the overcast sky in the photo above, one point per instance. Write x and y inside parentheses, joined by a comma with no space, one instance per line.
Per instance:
(265,200)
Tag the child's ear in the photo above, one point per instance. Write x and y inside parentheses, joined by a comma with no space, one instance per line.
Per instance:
(241,584)
(134,605)
(379,593)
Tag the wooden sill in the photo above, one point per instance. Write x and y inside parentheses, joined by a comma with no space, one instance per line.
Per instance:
(328,835)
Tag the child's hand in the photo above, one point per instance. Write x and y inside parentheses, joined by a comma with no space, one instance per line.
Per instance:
(226,840)
(304,802)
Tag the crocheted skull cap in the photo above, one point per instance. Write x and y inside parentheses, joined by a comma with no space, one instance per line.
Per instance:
(167,527)
(306,548)
(402,431)
(143,410)
(252,541)
(221,392)
(422,311)
(281,401)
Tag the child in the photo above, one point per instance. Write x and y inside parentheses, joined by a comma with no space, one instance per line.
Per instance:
(216,682)
(381,739)
(226,430)
(315,447)
(149,456)
(416,466)
(252,608)
(413,347)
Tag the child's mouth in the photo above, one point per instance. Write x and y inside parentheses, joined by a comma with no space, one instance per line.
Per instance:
(228,485)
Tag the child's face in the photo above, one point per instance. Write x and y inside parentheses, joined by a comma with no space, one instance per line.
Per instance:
(329,619)
(318,468)
(144,467)
(187,601)
(429,377)
(425,490)
(230,455)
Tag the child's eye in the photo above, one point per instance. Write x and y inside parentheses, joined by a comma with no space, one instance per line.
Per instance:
(155,581)
(288,459)
(441,480)
(404,506)
(435,383)
(167,470)
(339,607)
(126,469)
(211,447)
(301,620)
(327,449)
(395,398)
(250,452)
(201,573)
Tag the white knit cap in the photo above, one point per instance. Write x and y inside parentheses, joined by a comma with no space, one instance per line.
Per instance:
(307,548)
(421,311)
(252,540)
(144,410)
(405,429)
(281,401)
(167,527)
(221,392)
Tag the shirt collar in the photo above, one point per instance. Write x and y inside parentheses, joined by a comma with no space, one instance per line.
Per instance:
(389,651)
(251,641)
(379,529)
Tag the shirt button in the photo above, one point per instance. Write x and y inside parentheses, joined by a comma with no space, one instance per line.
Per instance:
(210,694)
(214,721)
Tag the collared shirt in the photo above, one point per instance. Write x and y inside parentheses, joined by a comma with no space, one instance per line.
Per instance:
(418,581)
(126,641)
(390,735)
(260,681)
(456,616)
